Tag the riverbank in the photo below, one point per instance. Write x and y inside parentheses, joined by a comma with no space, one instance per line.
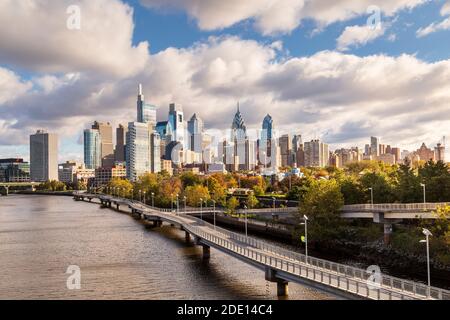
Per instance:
(45,193)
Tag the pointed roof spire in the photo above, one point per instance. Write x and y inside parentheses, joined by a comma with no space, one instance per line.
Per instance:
(140,89)
(238,107)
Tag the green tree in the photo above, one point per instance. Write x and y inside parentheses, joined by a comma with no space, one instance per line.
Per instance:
(252,201)
(232,204)
(436,177)
(217,191)
(383,189)
(122,187)
(408,189)
(322,200)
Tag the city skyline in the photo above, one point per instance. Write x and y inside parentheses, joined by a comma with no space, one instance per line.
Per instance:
(305,72)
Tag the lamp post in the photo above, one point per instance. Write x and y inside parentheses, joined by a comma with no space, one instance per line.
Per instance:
(427,234)
(306,236)
(153,199)
(178,204)
(171,202)
(145,202)
(185,208)
(274,202)
(371,196)
(201,209)
(245,212)
(424,193)
(140,195)
(214,212)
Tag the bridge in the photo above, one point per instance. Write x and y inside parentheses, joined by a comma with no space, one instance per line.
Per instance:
(6,185)
(279,265)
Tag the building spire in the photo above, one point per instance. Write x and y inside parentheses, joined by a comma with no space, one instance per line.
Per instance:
(238,107)
(140,89)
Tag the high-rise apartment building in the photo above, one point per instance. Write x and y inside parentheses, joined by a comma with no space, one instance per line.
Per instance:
(286,150)
(107,147)
(92,149)
(119,152)
(439,153)
(43,156)
(195,129)
(138,151)
(316,154)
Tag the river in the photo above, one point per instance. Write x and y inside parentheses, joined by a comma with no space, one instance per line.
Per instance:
(40,236)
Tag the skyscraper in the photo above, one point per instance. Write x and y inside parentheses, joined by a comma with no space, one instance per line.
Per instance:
(146,113)
(43,156)
(286,150)
(107,147)
(138,151)
(374,146)
(177,124)
(119,152)
(265,143)
(195,129)
(92,149)
(316,154)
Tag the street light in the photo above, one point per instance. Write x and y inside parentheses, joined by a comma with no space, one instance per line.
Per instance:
(178,204)
(153,199)
(274,203)
(306,235)
(424,193)
(185,209)
(201,209)
(140,195)
(427,234)
(371,196)
(171,202)
(214,212)
(245,212)
(145,202)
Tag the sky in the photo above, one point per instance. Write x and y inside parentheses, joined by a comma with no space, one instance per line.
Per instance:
(340,71)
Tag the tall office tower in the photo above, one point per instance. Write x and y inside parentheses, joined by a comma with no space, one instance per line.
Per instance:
(265,142)
(286,150)
(177,124)
(388,149)
(382,149)
(367,150)
(439,153)
(239,138)
(300,156)
(92,149)
(138,150)
(316,154)
(374,146)
(251,155)
(155,145)
(107,148)
(146,113)
(119,152)
(195,129)
(43,156)
(397,154)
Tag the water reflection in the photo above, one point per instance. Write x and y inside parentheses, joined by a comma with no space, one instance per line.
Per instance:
(119,257)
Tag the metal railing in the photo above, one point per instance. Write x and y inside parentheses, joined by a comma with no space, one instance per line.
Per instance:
(394,207)
(347,278)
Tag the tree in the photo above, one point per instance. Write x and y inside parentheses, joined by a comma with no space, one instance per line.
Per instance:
(232,204)
(123,187)
(408,189)
(168,190)
(217,191)
(252,201)
(190,179)
(321,204)
(148,183)
(383,190)
(436,177)
(195,193)
(352,190)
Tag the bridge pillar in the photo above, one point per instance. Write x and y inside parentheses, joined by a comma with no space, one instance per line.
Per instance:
(387,233)
(7,191)
(282,288)
(187,236)
(206,252)
(117,207)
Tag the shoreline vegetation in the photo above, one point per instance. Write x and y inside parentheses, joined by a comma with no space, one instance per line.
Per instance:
(321,192)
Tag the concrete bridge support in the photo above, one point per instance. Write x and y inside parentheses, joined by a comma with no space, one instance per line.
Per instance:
(282,285)
(206,252)
(187,236)
(387,233)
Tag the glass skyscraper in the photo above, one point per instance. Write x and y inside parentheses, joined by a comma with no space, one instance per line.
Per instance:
(92,149)
(146,113)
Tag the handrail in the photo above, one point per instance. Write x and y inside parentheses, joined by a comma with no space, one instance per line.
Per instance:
(394,206)
(354,279)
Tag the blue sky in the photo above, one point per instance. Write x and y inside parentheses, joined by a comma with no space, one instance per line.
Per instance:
(280,57)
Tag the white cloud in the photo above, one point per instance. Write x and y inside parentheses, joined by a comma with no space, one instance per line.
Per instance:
(358,36)
(401,98)
(11,86)
(41,41)
(276,16)
(435,27)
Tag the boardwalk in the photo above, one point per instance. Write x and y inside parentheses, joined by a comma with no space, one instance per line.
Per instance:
(279,265)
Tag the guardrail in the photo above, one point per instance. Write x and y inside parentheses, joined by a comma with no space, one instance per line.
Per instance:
(394,207)
(347,278)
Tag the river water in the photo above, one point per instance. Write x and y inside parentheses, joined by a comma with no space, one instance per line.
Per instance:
(40,236)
